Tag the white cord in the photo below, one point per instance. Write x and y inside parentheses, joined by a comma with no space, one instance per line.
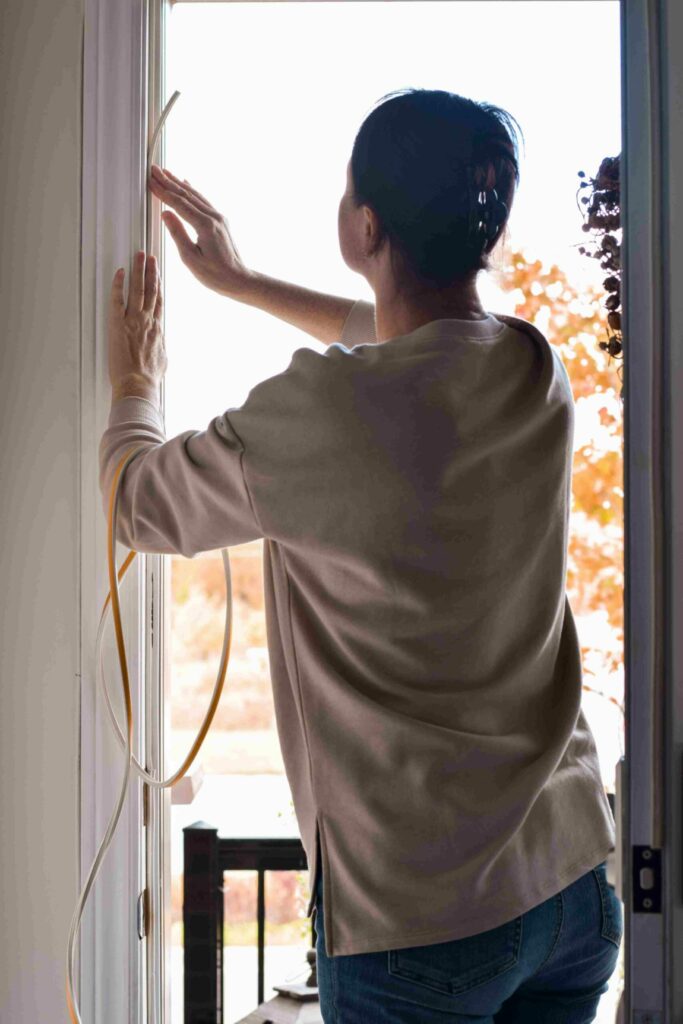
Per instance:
(124,740)
(78,912)
(149,779)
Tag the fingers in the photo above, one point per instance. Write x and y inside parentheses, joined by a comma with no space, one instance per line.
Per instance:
(186,247)
(159,305)
(136,291)
(117,302)
(184,184)
(189,188)
(151,285)
(144,285)
(195,211)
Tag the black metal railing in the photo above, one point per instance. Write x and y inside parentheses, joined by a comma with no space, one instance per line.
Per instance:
(206,856)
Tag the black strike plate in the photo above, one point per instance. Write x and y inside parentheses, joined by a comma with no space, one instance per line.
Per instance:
(647,880)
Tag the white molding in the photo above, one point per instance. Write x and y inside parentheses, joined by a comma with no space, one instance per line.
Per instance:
(644,933)
(670,266)
(111,986)
(157,705)
(123,978)
(652,165)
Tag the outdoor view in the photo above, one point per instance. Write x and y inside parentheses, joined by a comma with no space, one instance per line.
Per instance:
(271,97)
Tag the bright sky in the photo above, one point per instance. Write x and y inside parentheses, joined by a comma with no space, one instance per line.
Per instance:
(272,95)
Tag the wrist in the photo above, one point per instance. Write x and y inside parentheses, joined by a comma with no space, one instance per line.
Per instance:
(245,289)
(137,388)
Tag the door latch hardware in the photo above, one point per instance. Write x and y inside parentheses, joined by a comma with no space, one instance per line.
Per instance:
(647,880)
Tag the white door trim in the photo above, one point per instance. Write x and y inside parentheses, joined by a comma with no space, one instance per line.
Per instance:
(652,167)
(111,983)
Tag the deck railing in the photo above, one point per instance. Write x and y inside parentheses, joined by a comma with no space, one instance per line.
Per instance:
(206,857)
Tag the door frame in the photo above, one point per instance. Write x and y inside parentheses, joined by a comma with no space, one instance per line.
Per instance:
(116,973)
(124,85)
(652,163)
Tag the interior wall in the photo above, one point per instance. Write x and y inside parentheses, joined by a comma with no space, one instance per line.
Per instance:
(40,181)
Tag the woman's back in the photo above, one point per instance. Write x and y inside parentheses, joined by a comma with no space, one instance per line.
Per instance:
(425,663)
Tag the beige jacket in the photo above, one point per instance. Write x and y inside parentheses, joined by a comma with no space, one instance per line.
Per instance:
(414,498)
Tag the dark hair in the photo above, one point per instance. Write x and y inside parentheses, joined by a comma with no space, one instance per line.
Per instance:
(418,160)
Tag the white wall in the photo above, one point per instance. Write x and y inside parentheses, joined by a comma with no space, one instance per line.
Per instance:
(40,161)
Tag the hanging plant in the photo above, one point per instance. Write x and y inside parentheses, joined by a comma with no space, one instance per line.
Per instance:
(602,217)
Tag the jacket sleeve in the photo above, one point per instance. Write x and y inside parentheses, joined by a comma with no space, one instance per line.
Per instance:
(183,495)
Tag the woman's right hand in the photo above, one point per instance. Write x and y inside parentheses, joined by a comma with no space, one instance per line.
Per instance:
(213,258)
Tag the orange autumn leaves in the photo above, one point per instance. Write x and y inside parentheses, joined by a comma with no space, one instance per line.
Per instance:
(575,322)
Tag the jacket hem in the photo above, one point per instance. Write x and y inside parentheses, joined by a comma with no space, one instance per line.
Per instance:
(380,944)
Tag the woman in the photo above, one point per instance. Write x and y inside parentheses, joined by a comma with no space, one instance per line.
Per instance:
(412,484)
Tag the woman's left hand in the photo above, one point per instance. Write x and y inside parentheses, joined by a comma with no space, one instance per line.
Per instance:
(137,354)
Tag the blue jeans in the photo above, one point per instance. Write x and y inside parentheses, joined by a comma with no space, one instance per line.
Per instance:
(549,966)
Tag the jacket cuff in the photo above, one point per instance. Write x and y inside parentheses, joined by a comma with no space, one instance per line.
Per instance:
(132,408)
